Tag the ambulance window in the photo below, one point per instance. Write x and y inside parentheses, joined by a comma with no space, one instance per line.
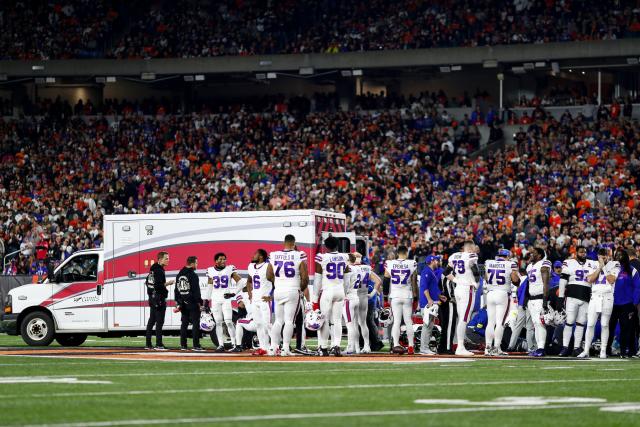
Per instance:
(344,245)
(81,268)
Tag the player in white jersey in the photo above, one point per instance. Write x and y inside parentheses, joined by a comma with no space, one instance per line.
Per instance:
(288,271)
(463,270)
(500,274)
(356,302)
(575,287)
(403,287)
(223,287)
(329,298)
(603,282)
(259,289)
(538,274)
(247,323)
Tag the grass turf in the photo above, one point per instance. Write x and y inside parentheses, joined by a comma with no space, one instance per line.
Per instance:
(205,393)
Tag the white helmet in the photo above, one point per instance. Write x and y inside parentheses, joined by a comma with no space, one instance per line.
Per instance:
(547,317)
(385,317)
(560,317)
(313,320)
(206,322)
(433,310)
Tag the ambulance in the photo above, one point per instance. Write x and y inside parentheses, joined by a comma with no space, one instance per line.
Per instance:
(101,292)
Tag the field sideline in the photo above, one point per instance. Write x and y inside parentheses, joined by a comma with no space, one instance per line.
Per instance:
(401,391)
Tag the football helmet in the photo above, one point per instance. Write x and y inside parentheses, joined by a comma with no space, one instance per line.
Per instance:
(432,311)
(206,322)
(385,317)
(313,320)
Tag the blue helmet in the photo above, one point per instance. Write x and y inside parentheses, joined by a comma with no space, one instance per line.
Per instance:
(504,253)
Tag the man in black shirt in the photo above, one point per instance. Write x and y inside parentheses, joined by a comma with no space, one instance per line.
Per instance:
(157,290)
(187,295)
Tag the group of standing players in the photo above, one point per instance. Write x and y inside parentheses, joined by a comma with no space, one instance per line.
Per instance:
(278,283)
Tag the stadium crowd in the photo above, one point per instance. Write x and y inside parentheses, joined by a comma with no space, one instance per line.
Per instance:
(81,28)
(567,182)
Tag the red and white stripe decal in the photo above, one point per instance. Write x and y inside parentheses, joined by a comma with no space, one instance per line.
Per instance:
(469,304)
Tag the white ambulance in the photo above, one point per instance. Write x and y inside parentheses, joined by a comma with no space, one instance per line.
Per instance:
(101,292)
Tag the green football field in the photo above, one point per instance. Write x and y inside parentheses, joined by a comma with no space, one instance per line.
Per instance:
(395,391)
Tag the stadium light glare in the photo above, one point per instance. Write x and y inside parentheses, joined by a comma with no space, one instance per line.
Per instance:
(111,79)
(272,75)
(357,72)
(38,68)
(199,77)
(540,64)
(456,68)
(50,80)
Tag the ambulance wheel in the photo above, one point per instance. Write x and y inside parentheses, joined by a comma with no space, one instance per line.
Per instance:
(71,340)
(37,329)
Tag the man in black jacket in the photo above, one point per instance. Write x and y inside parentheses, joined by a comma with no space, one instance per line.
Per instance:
(157,290)
(188,298)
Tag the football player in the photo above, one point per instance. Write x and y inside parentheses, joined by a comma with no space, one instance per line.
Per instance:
(259,290)
(288,271)
(222,290)
(402,273)
(576,290)
(538,276)
(500,274)
(463,270)
(356,302)
(603,281)
(331,268)
(248,322)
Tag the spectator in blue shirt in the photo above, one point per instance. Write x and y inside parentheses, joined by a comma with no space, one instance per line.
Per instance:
(429,299)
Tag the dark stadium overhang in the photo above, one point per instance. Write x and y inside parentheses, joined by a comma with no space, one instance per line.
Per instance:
(593,53)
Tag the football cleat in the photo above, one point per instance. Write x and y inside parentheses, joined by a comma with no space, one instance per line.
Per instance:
(323,352)
(336,351)
(365,350)
(236,349)
(583,355)
(219,349)
(305,351)
(427,352)
(286,353)
(539,353)
(259,352)
(564,352)
(183,348)
(603,355)
(198,349)
(461,351)
(488,351)
(148,347)
(398,349)
(497,351)
(576,352)
(160,348)
(410,350)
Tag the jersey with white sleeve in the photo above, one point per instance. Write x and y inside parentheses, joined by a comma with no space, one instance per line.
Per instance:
(286,268)
(498,274)
(261,286)
(400,271)
(601,286)
(334,265)
(357,280)
(577,285)
(223,283)
(462,263)
(534,275)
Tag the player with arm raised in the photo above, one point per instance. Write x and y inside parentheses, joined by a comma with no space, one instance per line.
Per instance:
(603,281)
(259,290)
(330,269)
(222,290)
(500,273)
(463,270)
(402,273)
(288,271)
(576,290)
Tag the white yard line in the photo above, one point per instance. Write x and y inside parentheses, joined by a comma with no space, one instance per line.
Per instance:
(48,380)
(322,415)
(307,388)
